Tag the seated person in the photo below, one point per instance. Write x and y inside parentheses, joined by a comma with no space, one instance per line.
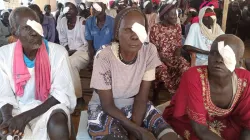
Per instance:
(122,76)
(37,93)
(72,36)
(48,23)
(201,35)
(212,101)
(99,28)
(166,36)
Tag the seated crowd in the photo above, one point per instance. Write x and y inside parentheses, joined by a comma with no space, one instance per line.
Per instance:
(128,49)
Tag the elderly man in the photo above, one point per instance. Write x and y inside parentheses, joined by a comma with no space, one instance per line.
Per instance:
(37,92)
(99,28)
(212,102)
(71,31)
(48,23)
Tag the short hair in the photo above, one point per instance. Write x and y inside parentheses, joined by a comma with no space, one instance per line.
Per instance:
(120,17)
(46,6)
(59,5)
(34,7)
(14,14)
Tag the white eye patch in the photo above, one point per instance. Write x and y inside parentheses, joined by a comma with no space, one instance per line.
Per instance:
(140,31)
(145,4)
(66,10)
(228,56)
(82,7)
(213,17)
(97,7)
(35,26)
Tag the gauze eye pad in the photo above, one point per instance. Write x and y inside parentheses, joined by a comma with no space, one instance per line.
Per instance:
(140,31)
(35,26)
(228,56)
(97,7)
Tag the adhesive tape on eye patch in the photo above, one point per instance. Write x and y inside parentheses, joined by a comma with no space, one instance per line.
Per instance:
(66,10)
(213,17)
(97,7)
(228,56)
(82,7)
(35,26)
(140,31)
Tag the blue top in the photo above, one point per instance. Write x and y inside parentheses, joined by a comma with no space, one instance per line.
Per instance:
(31,63)
(99,36)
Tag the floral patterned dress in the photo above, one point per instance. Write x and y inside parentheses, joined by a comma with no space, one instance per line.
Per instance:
(167,40)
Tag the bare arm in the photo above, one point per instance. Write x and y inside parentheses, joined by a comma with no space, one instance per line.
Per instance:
(140,103)
(6,111)
(203,132)
(194,49)
(91,49)
(245,134)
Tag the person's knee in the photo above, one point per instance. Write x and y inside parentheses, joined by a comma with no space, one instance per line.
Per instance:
(58,126)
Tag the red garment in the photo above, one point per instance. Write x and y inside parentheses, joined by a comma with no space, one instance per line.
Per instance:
(42,72)
(167,40)
(214,3)
(195,20)
(193,102)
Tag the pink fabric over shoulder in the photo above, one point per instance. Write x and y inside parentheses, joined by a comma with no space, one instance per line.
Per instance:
(42,72)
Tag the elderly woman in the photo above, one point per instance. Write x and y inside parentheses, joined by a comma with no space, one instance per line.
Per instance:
(122,76)
(212,102)
(166,36)
(4,28)
(37,92)
(202,34)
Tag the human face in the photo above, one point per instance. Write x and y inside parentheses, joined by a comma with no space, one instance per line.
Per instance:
(149,8)
(72,13)
(97,13)
(25,33)
(171,16)
(208,21)
(5,17)
(48,10)
(128,39)
(216,66)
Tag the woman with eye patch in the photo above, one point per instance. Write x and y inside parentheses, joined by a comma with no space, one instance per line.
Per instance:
(202,34)
(166,36)
(122,75)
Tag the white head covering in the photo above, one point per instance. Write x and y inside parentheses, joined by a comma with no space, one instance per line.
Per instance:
(204,30)
(4,11)
(145,4)
(66,9)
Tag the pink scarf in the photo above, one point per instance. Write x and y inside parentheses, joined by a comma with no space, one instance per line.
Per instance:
(42,72)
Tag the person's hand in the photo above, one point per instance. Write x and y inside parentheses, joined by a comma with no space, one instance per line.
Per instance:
(146,135)
(15,125)
(11,39)
(4,132)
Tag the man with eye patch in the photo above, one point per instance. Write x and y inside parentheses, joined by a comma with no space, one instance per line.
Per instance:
(212,102)
(99,28)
